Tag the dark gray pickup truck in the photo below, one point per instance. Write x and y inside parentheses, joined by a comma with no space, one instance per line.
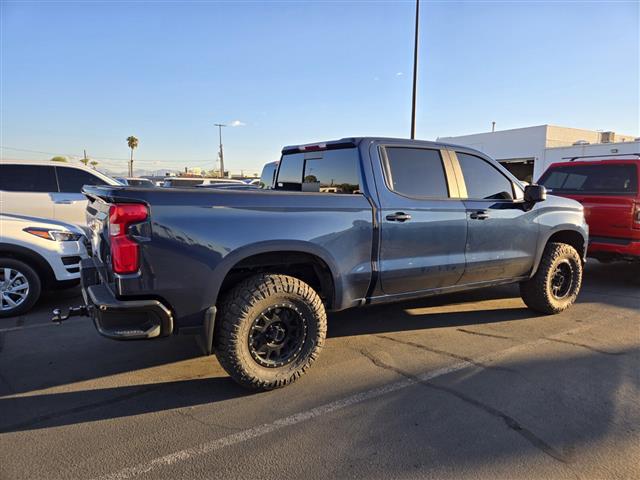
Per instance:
(347,223)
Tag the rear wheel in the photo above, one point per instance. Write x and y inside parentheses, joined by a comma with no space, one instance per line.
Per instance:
(556,284)
(19,287)
(269,331)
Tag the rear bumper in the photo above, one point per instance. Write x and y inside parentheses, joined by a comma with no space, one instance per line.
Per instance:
(608,247)
(122,319)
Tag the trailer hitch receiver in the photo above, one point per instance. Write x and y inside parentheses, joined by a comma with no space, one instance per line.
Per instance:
(58,317)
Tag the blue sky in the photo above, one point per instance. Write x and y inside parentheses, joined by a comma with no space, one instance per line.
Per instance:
(87,74)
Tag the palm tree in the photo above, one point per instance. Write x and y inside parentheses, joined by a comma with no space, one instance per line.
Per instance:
(133,143)
(84,160)
(93,163)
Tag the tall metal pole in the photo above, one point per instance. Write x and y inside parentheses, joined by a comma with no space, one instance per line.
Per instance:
(415,74)
(220,125)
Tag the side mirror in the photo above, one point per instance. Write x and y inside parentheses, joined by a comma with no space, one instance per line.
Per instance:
(535,193)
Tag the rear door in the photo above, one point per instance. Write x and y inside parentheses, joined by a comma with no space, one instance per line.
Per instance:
(69,202)
(423,224)
(502,236)
(606,189)
(27,190)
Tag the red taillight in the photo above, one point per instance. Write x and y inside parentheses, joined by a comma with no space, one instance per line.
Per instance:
(636,215)
(124,251)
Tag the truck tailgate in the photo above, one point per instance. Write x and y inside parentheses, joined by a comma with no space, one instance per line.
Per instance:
(607,216)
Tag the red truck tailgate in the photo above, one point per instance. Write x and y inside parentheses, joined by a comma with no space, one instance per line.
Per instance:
(607,216)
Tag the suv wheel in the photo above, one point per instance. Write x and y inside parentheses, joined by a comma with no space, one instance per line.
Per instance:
(269,331)
(556,284)
(19,287)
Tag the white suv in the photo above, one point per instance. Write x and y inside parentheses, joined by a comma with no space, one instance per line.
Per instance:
(36,254)
(47,189)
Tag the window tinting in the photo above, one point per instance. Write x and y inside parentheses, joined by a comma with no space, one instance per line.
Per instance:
(27,178)
(329,171)
(613,179)
(484,181)
(336,171)
(71,180)
(290,172)
(416,172)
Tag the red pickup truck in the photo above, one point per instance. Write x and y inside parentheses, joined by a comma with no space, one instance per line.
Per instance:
(608,189)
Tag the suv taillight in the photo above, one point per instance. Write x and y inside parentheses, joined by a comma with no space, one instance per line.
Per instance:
(124,251)
(636,215)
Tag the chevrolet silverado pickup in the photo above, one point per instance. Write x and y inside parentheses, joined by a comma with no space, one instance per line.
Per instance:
(346,223)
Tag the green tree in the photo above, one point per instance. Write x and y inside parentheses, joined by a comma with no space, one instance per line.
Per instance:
(85,161)
(59,158)
(93,163)
(133,144)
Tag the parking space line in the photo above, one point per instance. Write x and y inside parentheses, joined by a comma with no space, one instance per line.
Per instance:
(258,431)
(39,325)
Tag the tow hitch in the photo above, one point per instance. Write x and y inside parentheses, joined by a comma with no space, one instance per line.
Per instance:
(58,317)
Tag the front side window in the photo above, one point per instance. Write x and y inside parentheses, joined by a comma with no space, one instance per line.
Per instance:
(416,172)
(28,178)
(71,180)
(329,171)
(483,180)
(602,179)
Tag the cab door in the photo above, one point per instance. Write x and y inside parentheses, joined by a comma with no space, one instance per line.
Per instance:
(423,226)
(502,235)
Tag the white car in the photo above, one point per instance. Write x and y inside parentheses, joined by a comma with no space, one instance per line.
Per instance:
(47,189)
(36,254)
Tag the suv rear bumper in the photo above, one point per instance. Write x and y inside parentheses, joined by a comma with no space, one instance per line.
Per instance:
(614,248)
(122,319)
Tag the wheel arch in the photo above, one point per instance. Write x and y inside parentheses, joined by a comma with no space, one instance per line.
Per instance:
(31,258)
(308,262)
(568,234)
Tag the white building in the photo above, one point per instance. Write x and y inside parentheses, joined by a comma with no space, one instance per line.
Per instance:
(527,152)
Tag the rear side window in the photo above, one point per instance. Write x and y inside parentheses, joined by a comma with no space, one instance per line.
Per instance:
(600,179)
(483,180)
(28,178)
(330,171)
(416,172)
(71,180)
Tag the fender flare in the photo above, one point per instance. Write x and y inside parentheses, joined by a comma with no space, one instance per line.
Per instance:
(229,261)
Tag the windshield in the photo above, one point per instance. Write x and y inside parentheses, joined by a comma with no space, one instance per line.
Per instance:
(598,179)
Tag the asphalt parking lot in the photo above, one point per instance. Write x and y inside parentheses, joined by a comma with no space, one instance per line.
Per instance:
(463,386)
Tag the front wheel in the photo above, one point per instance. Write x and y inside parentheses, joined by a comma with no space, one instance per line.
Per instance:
(556,284)
(19,287)
(269,331)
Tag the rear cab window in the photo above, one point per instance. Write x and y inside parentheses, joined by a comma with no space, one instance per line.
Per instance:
(602,179)
(328,171)
(28,178)
(416,172)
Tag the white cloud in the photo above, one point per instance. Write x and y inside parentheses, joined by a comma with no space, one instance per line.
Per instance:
(237,123)
(399,74)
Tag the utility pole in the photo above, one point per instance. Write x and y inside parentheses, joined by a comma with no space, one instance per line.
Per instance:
(415,73)
(493,127)
(220,125)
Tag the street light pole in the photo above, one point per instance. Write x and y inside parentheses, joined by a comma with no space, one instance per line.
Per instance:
(415,74)
(220,125)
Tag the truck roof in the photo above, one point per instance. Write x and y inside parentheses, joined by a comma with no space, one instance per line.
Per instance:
(347,142)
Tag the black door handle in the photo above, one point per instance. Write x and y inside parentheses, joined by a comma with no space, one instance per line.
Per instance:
(479,215)
(398,217)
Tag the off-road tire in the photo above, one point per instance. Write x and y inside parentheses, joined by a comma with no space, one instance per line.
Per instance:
(35,286)
(237,313)
(537,292)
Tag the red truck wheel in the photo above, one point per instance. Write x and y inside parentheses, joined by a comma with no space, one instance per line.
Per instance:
(269,331)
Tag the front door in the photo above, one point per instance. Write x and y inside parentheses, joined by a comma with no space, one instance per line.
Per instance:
(502,236)
(27,190)
(423,229)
